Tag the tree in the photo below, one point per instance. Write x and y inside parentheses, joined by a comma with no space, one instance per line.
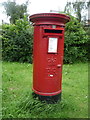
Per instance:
(68,8)
(14,10)
(77,7)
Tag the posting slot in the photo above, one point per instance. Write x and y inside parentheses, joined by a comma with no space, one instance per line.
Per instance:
(53,31)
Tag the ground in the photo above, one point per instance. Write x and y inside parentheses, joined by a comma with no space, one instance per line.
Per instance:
(17,93)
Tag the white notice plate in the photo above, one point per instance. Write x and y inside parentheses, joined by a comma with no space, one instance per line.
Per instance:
(52,46)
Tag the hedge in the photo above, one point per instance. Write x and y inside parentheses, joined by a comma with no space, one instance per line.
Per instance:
(17,41)
(76,42)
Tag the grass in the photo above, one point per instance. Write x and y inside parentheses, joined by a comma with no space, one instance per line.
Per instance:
(19,103)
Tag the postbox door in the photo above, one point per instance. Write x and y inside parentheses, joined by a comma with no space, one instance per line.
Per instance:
(54,62)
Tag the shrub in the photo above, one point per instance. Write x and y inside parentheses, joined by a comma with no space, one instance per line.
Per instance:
(76,40)
(17,41)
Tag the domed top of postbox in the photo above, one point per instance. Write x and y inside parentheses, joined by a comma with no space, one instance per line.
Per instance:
(49,18)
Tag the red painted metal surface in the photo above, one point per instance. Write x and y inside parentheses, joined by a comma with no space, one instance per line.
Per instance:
(48,59)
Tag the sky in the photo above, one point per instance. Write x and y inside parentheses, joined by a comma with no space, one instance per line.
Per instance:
(37,6)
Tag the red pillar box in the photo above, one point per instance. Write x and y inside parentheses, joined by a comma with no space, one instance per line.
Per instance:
(48,54)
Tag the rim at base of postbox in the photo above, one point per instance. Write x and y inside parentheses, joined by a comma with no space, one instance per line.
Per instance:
(48,97)
(46,94)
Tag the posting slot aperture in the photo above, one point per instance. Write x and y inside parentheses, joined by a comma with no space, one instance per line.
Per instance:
(52,31)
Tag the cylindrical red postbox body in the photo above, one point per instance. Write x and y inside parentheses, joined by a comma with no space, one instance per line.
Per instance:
(48,53)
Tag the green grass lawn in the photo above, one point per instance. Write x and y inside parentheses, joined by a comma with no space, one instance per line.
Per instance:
(19,103)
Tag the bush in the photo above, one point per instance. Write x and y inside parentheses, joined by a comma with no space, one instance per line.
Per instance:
(17,41)
(76,40)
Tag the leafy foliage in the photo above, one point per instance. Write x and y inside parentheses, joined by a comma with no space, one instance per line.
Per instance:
(14,10)
(17,41)
(77,8)
(76,40)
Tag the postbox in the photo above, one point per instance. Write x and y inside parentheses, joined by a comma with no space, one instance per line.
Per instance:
(48,54)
